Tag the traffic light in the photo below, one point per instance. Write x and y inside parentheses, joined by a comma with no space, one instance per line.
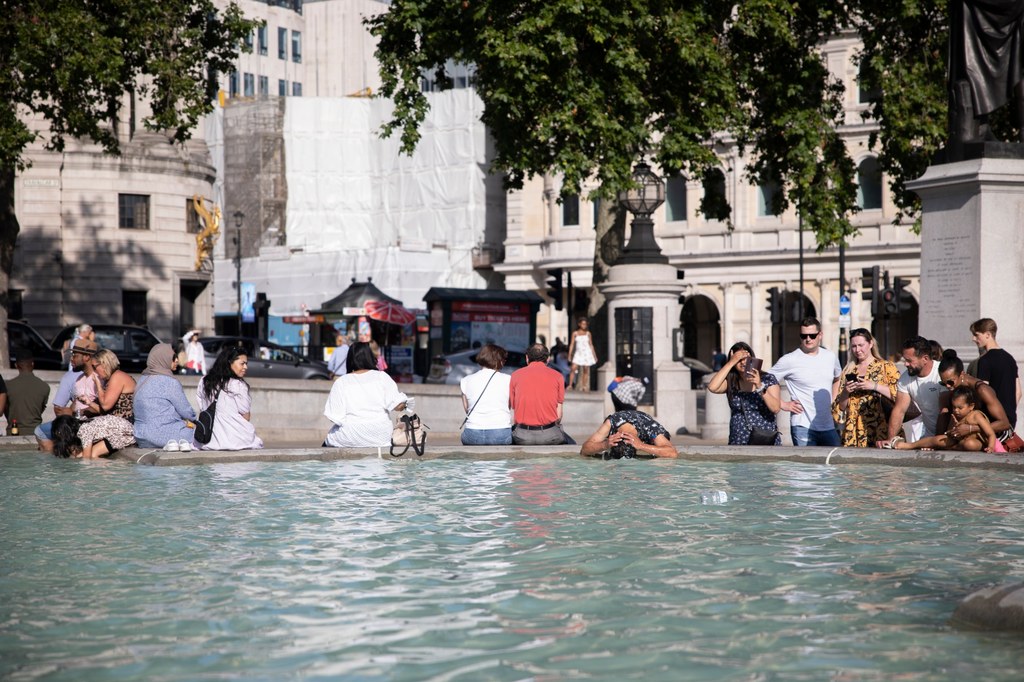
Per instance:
(554,284)
(869,289)
(774,306)
(903,298)
(890,304)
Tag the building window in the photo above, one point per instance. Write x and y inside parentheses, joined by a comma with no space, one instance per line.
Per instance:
(766,197)
(133,307)
(675,198)
(133,211)
(248,42)
(865,93)
(191,217)
(282,43)
(714,204)
(250,85)
(869,185)
(15,304)
(297,89)
(233,84)
(571,211)
(596,203)
(282,88)
(296,47)
(261,39)
(264,86)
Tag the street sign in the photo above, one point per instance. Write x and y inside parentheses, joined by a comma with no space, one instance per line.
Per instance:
(845,321)
(844,305)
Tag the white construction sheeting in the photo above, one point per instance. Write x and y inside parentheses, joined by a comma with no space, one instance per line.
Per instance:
(358,207)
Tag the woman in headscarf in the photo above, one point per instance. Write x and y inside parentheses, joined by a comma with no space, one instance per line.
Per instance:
(163,416)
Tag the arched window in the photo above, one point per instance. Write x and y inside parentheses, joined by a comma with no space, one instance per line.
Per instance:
(869,184)
(675,198)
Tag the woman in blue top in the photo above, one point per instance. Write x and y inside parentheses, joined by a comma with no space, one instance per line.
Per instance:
(754,398)
(163,414)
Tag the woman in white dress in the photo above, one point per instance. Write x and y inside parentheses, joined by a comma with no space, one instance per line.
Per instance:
(485,400)
(361,402)
(194,353)
(581,353)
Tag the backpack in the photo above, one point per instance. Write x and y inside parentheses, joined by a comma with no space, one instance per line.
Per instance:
(204,423)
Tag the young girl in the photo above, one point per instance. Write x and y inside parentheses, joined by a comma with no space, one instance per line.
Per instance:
(581,352)
(980,437)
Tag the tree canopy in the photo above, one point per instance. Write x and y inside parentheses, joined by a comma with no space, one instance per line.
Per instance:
(582,89)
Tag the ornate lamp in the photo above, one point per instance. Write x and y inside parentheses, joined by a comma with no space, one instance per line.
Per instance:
(642,200)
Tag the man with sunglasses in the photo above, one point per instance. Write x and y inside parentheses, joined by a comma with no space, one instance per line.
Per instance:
(811,374)
(919,385)
(82,351)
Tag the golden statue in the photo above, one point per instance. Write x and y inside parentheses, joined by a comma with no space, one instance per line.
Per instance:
(207,236)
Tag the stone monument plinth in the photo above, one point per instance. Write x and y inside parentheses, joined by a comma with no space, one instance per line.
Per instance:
(972,252)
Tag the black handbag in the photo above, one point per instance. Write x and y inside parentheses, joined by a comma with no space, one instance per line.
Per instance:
(204,423)
(762,437)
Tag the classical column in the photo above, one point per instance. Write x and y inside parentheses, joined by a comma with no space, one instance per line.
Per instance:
(728,333)
(759,340)
(827,310)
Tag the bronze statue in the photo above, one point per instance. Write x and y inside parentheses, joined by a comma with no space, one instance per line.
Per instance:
(986,67)
(206,236)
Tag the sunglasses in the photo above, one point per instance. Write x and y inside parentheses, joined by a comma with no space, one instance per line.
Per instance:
(950,383)
(808,337)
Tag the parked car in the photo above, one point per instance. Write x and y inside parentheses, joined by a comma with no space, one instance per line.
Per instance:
(21,335)
(451,368)
(700,373)
(266,359)
(129,343)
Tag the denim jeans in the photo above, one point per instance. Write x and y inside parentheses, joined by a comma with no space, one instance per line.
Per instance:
(487,436)
(803,436)
(44,431)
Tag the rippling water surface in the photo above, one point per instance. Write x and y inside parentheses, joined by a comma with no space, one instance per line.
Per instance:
(517,570)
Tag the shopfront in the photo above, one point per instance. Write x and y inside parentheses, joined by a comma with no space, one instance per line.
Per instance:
(462,319)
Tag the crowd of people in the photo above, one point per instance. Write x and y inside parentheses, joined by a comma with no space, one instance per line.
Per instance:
(935,402)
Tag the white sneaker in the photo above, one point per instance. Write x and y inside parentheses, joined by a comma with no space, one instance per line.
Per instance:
(184,445)
(172,446)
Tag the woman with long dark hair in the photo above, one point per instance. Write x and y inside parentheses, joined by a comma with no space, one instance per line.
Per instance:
(361,402)
(754,398)
(225,384)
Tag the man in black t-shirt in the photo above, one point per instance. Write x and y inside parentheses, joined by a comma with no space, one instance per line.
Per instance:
(996,367)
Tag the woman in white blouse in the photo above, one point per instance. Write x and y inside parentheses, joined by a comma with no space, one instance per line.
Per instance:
(361,402)
(485,399)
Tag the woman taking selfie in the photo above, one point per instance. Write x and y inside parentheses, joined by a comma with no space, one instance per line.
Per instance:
(754,398)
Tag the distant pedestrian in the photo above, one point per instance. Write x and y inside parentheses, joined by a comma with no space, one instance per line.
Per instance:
(718,359)
(336,364)
(581,355)
(195,354)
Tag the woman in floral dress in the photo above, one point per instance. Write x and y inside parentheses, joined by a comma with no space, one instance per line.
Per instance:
(754,398)
(868,389)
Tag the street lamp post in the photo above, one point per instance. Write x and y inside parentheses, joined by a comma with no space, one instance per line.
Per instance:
(642,201)
(239,217)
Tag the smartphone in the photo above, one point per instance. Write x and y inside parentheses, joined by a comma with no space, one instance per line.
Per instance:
(852,376)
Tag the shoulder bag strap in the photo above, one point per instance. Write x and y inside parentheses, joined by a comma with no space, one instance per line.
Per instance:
(477,401)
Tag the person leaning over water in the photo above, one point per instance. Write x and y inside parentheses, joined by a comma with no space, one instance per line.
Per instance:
(361,401)
(754,398)
(485,400)
(225,384)
(628,433)
(162,412)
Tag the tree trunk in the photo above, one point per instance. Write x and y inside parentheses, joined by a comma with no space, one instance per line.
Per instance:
(608,242)
(9,229)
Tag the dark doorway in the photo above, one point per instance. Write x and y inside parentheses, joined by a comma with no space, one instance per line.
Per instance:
(786,333)
(189,291)
(634,347)
(891,332)
(702,328)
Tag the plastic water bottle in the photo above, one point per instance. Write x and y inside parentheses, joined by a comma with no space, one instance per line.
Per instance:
(410,405)
(714,497)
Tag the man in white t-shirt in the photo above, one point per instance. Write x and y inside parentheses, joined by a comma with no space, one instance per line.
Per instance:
(919,385)
(811,374)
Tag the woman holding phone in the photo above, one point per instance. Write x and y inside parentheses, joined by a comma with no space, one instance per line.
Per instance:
(754,398)
(868,391)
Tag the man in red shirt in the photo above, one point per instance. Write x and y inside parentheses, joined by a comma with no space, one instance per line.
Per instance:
(536,394)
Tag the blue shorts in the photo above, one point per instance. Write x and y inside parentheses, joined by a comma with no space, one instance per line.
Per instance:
(44,431)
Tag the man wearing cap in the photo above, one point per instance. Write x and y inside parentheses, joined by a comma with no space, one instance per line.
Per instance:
(26,395)
(81,351)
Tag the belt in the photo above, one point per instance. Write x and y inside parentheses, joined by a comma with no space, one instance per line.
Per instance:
(536,428)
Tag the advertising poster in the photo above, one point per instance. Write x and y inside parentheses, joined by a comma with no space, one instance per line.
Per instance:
(475,323)
(248,298)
